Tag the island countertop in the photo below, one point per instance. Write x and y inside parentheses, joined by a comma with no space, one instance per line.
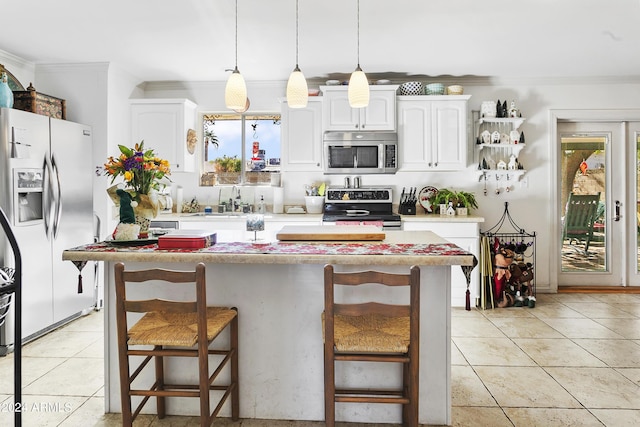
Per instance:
(236,247)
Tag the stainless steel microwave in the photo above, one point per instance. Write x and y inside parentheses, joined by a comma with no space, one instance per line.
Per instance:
(360,152)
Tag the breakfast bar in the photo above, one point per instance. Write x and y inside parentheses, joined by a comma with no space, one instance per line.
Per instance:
(278,289)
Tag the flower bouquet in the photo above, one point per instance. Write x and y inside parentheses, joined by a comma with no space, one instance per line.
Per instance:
(142,172)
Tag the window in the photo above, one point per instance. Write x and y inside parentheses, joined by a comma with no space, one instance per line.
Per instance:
(229,160)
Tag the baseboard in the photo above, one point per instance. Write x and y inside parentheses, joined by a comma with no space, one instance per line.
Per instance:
(598,290)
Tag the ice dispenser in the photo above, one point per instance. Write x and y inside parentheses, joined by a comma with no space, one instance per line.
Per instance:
(27,196)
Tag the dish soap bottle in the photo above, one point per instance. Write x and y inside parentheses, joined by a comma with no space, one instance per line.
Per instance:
(261,208)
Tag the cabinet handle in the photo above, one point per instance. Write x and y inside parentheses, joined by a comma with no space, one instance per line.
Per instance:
(435,165)
(430,164)
(357,126)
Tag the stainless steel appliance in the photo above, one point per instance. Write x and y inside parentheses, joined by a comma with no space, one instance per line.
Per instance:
(46,192)
(371,205)
(360,152)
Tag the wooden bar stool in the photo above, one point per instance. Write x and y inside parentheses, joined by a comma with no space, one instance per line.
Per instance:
(174,329)
(372,332)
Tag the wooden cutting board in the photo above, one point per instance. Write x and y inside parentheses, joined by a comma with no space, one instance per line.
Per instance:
(330,232)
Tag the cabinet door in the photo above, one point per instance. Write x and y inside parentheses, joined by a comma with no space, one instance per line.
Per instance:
(338,114)
(302,137)
(414,132)
(449,135)
(381,112)
(163,125)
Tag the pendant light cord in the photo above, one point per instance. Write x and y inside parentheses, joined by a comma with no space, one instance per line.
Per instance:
(358,2)
(296,33)
(236,35)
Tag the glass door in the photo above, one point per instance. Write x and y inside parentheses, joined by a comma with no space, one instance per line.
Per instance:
(598,203)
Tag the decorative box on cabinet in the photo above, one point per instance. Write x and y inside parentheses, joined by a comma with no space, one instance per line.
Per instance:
(432,132)
(495,155)
(39,103)
(169,127)
(302,136)
(380,114)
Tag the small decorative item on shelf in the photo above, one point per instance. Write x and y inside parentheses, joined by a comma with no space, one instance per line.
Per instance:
(6,95)
(39,103)
(142,172)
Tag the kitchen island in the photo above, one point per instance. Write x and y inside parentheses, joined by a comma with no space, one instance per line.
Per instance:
(278,289)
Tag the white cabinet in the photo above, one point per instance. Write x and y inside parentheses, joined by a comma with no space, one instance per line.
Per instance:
(380,114)
(163,124)
(432,132)
(465,235)
(301,138)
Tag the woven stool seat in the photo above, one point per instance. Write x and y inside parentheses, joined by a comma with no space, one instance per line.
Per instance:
(371,333)
(178,329)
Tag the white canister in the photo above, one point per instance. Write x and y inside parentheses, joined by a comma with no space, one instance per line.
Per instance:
(179,197)
(278,200)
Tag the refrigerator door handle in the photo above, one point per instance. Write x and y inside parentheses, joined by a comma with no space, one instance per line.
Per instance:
(57,197)
(46,195)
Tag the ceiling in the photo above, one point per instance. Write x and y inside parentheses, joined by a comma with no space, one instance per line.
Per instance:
(193,40)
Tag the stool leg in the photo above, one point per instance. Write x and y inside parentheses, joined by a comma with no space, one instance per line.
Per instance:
(235,393)
(159,364)
(329,389)
(125,386)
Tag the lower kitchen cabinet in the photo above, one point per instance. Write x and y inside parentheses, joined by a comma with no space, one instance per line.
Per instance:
(466,234)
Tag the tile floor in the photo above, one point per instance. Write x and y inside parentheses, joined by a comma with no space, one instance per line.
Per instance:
(574,360)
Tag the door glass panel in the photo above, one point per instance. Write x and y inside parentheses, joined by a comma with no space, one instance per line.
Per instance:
(582,207)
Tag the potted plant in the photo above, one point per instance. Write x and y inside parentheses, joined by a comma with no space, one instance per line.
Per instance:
(228,169)
(462,201)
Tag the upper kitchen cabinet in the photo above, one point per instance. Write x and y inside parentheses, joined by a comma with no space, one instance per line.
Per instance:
(168,126)
(432,132)
(380,114)
(301,137)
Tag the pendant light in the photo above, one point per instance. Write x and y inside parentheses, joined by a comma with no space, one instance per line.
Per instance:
(358,84)
(235,93)
(297,89)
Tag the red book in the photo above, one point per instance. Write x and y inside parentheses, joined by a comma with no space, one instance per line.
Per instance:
(187,239)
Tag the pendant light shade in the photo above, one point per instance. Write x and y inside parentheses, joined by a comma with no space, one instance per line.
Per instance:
(358,91)
(235,93)
(297,89)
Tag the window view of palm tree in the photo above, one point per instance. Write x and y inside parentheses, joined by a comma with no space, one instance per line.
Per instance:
(240,149)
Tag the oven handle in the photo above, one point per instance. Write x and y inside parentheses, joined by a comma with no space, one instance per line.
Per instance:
(357,212)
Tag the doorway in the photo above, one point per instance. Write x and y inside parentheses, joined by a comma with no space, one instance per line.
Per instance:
(597,203)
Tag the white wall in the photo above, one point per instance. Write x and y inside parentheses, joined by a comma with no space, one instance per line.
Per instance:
(530,206)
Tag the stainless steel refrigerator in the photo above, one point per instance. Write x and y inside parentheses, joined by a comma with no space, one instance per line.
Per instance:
(46,192)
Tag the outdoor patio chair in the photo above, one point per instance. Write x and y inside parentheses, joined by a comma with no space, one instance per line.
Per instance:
(580,218)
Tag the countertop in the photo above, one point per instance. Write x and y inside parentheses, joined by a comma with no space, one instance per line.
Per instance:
(236,247)
(201,216)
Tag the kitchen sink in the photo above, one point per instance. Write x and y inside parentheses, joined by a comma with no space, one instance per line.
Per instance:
(218,215)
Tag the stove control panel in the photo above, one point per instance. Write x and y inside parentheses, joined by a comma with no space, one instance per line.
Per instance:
(369,195)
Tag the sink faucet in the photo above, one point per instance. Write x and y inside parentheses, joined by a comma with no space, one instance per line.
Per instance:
(238,198)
